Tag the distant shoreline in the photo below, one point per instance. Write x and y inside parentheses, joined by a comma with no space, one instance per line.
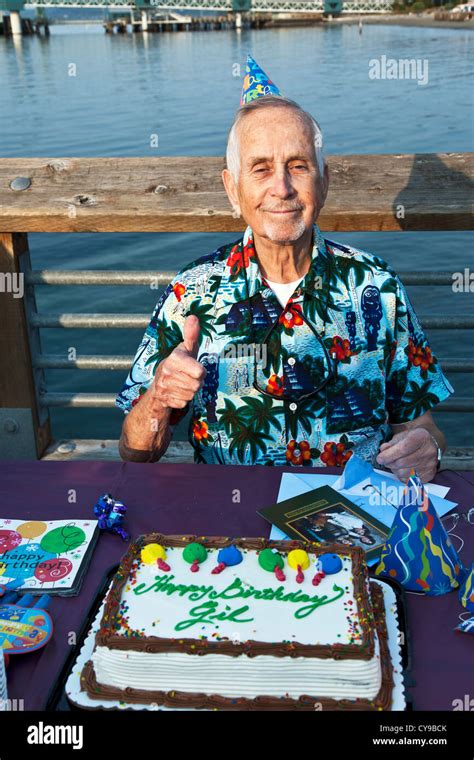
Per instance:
(413,20)
(403,19)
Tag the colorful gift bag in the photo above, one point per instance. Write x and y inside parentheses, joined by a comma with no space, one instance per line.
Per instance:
(418,552)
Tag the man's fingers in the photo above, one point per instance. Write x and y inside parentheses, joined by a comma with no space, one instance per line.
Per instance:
(181,361)
(399,450)
(178,384)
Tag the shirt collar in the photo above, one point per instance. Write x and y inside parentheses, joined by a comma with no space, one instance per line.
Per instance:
(248,260)
(321,281)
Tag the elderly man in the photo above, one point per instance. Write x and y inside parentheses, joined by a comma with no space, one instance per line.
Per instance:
(292,349)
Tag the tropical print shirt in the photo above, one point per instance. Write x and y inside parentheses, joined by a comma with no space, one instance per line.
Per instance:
(308,384)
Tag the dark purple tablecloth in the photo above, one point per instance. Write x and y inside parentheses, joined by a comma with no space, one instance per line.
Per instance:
(199,499)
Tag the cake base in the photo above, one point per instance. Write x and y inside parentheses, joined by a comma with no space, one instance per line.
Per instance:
(186,700)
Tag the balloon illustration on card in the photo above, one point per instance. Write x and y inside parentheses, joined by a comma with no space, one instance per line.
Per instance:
(63,539)
(53,570)
(9,539)
(41,555)
(32,529)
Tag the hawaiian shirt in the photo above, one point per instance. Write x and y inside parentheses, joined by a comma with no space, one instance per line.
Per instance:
(308,384)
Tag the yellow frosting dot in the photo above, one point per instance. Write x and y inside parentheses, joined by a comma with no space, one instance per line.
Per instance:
(151,552)
(298,557)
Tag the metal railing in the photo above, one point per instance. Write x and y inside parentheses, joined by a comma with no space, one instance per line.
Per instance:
(184,194)
(133,321)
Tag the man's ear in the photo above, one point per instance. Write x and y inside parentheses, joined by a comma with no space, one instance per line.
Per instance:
(325,182)
(231,191)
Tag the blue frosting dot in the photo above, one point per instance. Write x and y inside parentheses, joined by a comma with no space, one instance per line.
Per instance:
(230,556)
(330,563)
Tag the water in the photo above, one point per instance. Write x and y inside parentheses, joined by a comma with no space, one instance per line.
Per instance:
(185,88)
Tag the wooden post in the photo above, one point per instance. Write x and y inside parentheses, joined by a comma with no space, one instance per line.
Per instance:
(24,427)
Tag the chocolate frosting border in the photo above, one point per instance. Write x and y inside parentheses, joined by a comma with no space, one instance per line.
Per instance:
(177,699)
(107,636)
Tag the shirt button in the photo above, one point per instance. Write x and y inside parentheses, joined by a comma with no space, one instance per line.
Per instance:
(291,361)
(293,407)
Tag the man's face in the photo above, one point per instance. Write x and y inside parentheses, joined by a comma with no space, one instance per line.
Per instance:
(280,192)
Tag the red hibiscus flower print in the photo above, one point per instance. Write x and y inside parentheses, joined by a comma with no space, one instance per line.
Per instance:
(178,290)
(340,349)
(291,316)
(275,385)
(297,453)
(419,356)
(240,258)
(200,430)
(335,454)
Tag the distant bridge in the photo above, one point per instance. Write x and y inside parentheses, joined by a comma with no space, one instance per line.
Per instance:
(237,6)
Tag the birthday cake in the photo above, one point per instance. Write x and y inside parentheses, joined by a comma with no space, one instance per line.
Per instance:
(242,624)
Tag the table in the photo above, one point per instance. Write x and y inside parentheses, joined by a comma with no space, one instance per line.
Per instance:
(200,499)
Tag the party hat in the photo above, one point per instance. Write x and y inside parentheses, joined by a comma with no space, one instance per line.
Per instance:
(3,683)
(466,592)
(256,83)
(418,552)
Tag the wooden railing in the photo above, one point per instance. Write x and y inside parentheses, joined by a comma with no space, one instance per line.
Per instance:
(178,194)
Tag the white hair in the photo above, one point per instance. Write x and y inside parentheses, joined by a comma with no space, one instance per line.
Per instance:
(233,149)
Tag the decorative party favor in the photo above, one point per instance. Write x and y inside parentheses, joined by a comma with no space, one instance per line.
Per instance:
(256,83)
(418,553)
(110,514)
(466,626)
(25,626)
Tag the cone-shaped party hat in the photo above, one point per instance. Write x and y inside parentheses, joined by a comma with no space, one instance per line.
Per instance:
(256,83)
(466,592)
(418,552)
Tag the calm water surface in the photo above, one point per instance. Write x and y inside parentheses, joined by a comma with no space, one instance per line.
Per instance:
(183,87)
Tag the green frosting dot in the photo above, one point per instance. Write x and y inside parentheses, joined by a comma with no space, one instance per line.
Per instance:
(269,560)
(194,551)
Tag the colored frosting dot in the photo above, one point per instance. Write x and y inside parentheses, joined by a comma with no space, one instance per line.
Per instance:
(269,560)
(194,553)
(151,552)
(298,558)
(329,563)
(230,555)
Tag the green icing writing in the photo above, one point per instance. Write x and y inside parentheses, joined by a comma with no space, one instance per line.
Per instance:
(207,613)
(269,560)
(236,590)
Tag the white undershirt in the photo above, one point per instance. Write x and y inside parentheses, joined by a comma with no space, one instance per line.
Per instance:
(283,290)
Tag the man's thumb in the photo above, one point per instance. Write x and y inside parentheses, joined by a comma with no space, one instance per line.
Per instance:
(191,333)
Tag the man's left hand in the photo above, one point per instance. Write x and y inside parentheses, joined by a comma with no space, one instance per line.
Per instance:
(410,448)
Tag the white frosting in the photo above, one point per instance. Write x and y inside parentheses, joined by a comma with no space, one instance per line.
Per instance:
(155,613)
(239,676)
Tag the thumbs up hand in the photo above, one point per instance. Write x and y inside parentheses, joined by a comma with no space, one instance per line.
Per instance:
(191,334)
(180,375)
